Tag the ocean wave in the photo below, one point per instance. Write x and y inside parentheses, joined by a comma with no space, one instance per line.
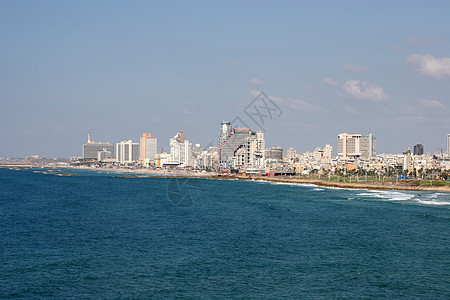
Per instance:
(388,195)
(433,202)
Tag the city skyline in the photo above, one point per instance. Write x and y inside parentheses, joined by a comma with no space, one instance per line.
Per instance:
(119,69)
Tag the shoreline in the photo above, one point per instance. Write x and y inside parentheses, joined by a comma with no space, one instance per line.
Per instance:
(359,185)
(146,173)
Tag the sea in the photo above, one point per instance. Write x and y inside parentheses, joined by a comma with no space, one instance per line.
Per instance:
(99,235)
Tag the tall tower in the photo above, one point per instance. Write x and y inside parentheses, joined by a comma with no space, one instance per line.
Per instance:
(224,132)
(149,146)
(407,166)
(448,144)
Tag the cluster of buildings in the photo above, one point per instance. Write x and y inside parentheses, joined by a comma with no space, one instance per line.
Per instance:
(244,150)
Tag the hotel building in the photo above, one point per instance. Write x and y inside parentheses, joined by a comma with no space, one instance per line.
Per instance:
(127,151)
(90,149)
(149,147)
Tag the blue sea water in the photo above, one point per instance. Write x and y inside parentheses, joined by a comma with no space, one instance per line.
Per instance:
(99,236)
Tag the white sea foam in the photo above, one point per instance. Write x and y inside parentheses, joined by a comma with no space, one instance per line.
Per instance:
(292,183)
(366,194)
(388,195)
(432,202)
(318,189)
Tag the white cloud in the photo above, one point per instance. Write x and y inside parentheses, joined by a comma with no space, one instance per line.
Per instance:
(353,68)
(256,81)
(364,91)
(430,66)
(255,93)
(301,105)
(433,104)
(329,81)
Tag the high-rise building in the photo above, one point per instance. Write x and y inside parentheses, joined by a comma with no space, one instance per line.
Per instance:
(356,145)
(368,146)
(448,144)
(180,150)
(255,150)
(418,149)
(241,147)
(236,139)
(127,151)
(349,145)
(149,147)
(224,132)
(90,149)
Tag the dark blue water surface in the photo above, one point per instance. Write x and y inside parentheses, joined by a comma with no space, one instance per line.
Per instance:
(101,236)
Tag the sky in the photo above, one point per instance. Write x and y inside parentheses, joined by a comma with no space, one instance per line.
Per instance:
(118,69)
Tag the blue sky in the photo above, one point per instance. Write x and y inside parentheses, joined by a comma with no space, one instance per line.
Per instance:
(121,68)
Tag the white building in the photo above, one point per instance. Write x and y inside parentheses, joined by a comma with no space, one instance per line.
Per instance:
(255,150)
(127,151)
(104,155)
(290,154)
(180,150)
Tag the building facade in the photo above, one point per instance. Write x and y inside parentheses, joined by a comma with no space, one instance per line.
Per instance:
(224,132)
(448,144)
(274,153)
(180,150)
(349,145)
(418,149)
(356,145)
(149,147)
(127,151)
(368,146)
(90,149)
(237,139)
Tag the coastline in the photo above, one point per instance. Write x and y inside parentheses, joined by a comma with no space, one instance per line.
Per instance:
(147,173)
(359,185)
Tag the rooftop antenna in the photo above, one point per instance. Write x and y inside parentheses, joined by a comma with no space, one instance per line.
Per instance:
(89,138)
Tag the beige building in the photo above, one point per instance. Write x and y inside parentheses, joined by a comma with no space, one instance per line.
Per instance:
(149,147)
(356,145)
(349,145)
